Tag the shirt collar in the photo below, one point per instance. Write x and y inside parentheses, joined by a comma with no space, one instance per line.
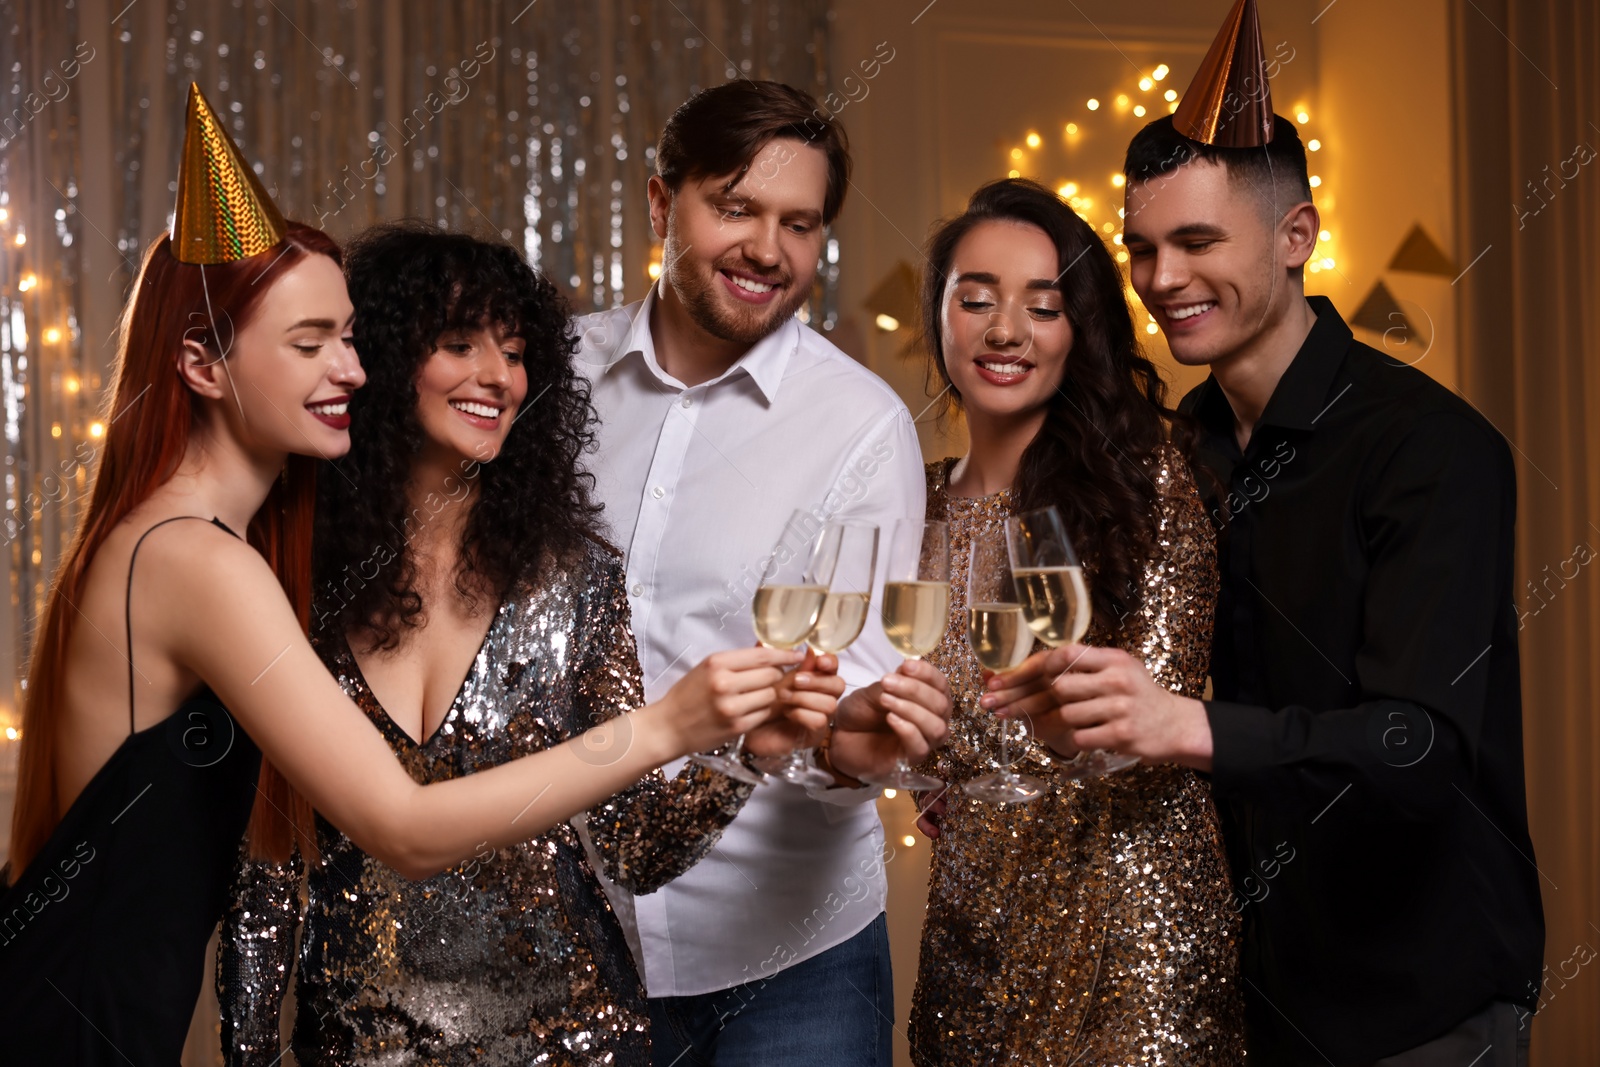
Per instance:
(763,364)
(1301,395)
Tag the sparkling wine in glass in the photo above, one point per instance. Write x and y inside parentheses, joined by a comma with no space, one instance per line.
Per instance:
(1055,601)
(1001,639)
(849,553)
(784,609)
(916,610)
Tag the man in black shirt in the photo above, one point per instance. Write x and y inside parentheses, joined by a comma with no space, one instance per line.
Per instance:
(1365,740)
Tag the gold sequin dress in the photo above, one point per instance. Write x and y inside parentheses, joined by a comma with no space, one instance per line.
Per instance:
(512,956)
(1094,925)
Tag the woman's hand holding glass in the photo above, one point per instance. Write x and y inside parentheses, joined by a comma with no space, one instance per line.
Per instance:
(726,695)
(784,609)
(1000,639)
(916,611)
(807,699)
(845,553)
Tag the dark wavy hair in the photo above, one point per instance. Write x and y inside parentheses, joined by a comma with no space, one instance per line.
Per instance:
(720,130)
(411,283)
(1108,420)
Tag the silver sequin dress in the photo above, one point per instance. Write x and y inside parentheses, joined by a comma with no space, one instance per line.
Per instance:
(1095,925)
(514,955)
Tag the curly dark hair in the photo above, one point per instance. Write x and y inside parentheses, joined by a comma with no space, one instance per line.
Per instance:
(410,283)
(1108,419)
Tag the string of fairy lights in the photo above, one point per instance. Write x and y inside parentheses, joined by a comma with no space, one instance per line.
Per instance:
(1096,201)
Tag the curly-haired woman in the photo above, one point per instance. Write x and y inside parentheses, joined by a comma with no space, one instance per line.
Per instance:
(1093,925)
(467,604)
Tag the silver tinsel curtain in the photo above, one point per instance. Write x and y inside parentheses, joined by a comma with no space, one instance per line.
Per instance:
(534,121)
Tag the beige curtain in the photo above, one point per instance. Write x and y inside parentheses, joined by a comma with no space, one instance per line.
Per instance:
(1527,166)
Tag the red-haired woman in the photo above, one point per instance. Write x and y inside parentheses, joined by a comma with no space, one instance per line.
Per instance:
(185,592)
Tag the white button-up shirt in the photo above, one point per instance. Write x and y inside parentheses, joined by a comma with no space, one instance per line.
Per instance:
(697,484)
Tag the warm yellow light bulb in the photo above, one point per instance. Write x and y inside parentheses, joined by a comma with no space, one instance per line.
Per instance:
(22,239)
(1117,240)
(1170,94)
(1094,105)
(654,270)
(1107,228)
(4,214)
(1315,181)
(1172,107)
(1118,180)
(1016,153)
(1314,144)
(890,794)
(1302,116)
(51,335)
(55,429)
(1138,109)
(1324,236)
(28,282)
(1122,99)
(97,429)
(1013,174)
(1122,257)
(1146,84)
(909,840)
(1161,72)
(1070,189)
(1072,129)
(887,323)
(1034,140)
(72,384)
(1314,267)
(1150,327)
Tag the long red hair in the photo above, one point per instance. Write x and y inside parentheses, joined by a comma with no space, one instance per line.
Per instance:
(152,413)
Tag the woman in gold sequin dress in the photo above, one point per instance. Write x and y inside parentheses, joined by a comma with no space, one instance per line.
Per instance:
(1095,924)
(424,554)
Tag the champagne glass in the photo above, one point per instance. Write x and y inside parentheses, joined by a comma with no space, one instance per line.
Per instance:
(1001,639)
(784,609)
(849,552)
(1055,601)
(916,610)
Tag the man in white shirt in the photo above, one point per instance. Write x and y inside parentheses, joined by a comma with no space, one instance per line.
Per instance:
(720,414)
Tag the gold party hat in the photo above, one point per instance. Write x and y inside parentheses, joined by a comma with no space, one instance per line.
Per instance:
(223,212)
(1229,103)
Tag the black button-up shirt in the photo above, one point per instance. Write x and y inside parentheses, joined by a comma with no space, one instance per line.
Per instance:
(1368,718)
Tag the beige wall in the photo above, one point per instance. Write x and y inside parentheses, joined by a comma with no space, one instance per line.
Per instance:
(970,79)
(1384,95)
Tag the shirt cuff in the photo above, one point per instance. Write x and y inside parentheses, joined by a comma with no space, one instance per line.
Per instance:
(1241,744)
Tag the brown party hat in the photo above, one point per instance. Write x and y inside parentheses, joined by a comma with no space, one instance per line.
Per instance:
(223,213)
(1229,103)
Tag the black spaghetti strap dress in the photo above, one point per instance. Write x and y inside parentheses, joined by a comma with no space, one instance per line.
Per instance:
(102,938)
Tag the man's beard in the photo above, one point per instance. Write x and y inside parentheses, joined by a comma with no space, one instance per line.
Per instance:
(697,292)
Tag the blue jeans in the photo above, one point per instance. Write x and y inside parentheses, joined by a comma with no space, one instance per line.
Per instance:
(836,1008)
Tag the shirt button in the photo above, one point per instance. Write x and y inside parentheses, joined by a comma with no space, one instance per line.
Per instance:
(638,590)
(688,402)
(658,492)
